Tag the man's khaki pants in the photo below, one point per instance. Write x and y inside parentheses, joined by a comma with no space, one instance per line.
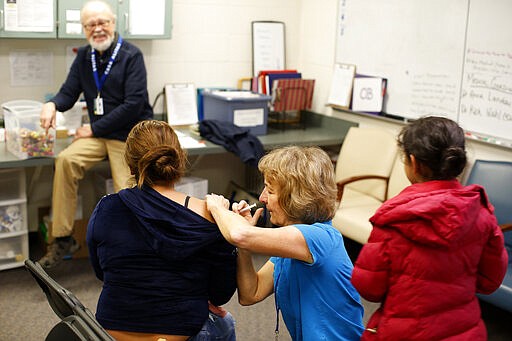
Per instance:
(70,167)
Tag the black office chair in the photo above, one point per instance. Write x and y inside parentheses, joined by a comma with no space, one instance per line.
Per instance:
(77,322)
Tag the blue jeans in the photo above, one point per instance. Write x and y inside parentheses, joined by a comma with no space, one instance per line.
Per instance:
(217,328)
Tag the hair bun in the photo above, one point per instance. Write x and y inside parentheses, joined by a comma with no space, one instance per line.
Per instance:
(453,161)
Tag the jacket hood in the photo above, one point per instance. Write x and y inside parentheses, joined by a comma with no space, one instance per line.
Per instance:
(436,213)
(173,231)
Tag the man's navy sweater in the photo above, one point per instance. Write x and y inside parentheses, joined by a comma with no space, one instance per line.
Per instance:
(124,93)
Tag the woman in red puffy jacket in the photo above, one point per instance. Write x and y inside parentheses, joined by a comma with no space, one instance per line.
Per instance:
(433,246)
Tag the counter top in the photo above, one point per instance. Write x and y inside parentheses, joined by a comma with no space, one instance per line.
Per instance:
(319,130)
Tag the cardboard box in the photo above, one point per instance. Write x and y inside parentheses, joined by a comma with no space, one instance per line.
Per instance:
(103,182)
(243,108)
(79,233)
(23,133)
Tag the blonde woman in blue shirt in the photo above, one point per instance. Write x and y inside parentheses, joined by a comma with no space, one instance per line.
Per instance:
(309,270)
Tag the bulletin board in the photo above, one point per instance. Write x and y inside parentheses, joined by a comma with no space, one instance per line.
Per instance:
(268,46)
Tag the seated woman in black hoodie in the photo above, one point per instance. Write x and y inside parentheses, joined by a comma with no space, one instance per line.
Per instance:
(159,253)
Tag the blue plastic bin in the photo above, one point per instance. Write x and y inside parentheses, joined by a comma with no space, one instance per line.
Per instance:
(243,108)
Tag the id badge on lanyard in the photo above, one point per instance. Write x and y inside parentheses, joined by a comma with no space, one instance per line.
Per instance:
(98,101)
(98,105)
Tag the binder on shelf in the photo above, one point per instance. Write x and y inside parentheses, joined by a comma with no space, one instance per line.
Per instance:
(293,94)
(272,77)
(368,94)
(263,79)
(341,85)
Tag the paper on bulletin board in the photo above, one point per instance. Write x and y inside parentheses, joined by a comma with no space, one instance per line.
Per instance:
(341,86)
(31,67)
(181,101)
(72,22)
(28,16)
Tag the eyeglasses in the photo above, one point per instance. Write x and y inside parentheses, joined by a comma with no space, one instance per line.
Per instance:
(100,23)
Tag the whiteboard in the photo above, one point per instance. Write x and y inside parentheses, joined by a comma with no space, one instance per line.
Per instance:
(268,46)
(435,55)
(486,99)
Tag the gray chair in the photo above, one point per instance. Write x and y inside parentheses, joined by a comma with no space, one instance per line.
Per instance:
(496,178)
(77,322)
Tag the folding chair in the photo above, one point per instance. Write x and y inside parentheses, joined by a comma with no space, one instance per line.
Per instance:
(77,322)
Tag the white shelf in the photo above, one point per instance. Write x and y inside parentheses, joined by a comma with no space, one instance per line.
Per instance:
(12,265)
(13,202)
(13,244)
(12,234)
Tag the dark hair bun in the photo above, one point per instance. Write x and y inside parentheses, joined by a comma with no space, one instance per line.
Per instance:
(161,162)
(438,143)
(453,161)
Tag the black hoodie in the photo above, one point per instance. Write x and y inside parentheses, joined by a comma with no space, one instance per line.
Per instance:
(160,263)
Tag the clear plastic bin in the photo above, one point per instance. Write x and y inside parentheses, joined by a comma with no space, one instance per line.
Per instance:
(23,134)
(12,184)
(71,120)
(11,251)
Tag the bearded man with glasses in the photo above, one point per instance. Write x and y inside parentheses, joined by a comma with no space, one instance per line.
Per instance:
(111,74)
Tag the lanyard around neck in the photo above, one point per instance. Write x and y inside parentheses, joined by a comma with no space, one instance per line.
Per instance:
(100,82)
(276,331)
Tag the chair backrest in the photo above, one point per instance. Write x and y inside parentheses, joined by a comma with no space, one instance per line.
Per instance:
(496,178)
(398,179)
(77,322)
(367,151)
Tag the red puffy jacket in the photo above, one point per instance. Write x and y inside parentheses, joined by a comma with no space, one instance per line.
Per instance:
(432,248)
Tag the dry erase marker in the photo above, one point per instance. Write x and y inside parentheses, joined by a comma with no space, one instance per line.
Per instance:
(247,208)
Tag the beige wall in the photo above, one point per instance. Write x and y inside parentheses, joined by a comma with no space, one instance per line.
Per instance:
(211,46)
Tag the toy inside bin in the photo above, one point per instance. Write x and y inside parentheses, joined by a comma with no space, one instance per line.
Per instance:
(23,133)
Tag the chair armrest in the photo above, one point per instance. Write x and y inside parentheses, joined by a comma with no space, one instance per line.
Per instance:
(341,184)
(506,227)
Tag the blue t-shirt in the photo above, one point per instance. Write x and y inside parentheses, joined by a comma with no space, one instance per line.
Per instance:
(317,300)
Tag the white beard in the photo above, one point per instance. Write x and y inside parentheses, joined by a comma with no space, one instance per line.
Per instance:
(101,46)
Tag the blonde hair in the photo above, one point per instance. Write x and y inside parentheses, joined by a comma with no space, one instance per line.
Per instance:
(154,154)
(304,179)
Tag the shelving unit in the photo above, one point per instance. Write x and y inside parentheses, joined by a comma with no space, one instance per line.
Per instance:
(13,219)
